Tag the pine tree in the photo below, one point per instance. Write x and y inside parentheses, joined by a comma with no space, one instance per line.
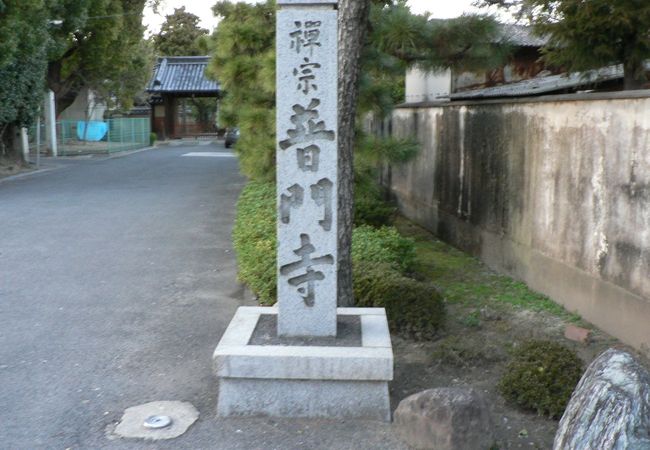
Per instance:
(388,37)
(243,61)
(378,40)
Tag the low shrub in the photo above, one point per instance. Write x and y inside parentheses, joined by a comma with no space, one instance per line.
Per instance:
(414,308)
(153,137)
(369,206)
(541,377)
(254,238)
(383,246)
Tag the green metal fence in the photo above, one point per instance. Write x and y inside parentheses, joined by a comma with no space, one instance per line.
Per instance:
(123,134)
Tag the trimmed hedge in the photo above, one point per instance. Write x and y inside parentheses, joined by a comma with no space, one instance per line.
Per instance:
(383,246)
(415,309)
(254,238)
(381,257)
(541,377)
(369,206)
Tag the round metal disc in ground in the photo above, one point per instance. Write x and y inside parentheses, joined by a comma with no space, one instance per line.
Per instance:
(157,422)
(132,423)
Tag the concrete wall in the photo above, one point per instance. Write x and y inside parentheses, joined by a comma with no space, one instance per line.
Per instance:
(553,191)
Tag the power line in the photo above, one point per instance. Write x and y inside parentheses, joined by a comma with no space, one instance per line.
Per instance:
(60,21)
(113,15)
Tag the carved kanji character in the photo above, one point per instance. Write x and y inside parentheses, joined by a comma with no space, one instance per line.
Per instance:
(310,276)
(307,128)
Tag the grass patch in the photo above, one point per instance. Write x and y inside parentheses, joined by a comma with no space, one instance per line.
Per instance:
(466,281)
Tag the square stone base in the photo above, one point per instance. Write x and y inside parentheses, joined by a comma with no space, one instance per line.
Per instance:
(326,381)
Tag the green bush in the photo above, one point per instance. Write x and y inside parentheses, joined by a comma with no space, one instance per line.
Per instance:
(153,137)
(383,245)
(254,238)
(369,206)
(541,377)
(414,308)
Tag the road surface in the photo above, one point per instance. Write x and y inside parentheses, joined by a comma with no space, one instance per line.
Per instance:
(117,279)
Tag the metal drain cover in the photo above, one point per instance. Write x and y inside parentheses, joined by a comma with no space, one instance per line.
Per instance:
(157,422)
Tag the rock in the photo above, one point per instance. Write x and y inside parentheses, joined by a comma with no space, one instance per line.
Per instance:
(610,407)
(445,419)
(577,334)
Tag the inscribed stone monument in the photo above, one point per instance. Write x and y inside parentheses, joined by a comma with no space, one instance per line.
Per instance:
(307,86)
(304,366)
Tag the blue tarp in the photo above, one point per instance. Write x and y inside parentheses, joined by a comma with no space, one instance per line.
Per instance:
(96,131)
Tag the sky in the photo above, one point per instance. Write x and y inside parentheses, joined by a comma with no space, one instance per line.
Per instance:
(442,9)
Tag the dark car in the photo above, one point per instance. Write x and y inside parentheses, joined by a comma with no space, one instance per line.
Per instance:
(232,136)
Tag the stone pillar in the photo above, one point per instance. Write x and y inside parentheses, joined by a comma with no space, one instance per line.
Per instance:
(24,143)
(50,122)
(307,170)
(304,368)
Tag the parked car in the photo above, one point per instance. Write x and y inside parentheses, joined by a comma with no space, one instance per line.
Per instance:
(232,136)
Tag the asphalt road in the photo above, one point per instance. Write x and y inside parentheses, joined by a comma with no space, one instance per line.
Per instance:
(117,279)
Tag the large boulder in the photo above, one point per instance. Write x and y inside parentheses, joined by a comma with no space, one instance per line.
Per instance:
(610,407)
(445,419)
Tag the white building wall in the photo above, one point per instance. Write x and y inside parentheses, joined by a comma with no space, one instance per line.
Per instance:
(423,86)
(86,103)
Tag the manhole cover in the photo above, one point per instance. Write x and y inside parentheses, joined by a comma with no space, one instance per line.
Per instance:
(157,422)
(154,420)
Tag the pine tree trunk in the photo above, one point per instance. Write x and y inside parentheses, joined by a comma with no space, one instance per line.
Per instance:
(353,26)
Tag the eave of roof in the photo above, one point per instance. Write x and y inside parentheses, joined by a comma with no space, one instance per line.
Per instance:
(521,36)
(543,85)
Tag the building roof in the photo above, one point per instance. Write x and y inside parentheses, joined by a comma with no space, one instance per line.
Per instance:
(522,36)
(513,34)
(544,84)
(182,75)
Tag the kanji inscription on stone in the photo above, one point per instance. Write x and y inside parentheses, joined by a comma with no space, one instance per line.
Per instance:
(307,168)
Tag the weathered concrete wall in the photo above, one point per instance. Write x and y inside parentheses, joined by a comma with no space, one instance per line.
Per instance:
(555,192)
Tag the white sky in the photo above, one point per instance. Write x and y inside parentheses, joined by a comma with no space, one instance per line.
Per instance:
(442,9)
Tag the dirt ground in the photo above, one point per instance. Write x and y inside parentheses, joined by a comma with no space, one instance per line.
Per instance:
(488,315)
(9,168)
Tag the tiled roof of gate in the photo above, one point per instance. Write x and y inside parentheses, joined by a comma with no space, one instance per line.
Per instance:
(182,74)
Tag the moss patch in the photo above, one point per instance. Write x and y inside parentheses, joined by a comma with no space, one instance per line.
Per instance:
(466,281)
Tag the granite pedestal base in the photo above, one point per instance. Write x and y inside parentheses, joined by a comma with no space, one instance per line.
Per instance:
(336,378)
